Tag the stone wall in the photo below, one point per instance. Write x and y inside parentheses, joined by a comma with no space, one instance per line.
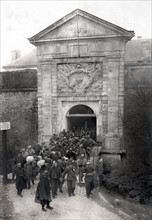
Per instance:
(18,101)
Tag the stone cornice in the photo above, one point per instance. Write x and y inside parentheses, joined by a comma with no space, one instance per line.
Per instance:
(98,37)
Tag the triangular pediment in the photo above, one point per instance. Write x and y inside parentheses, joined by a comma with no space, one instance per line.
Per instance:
(80,24)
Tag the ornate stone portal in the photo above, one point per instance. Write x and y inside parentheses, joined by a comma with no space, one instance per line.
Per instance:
(81,62)
(80,77)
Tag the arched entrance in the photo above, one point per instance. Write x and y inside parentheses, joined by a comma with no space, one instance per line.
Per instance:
(81,117)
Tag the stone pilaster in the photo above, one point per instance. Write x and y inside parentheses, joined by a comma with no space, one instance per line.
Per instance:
(121,92)
(105,99)
(54,97)
(40,109)
(112,136)
(46,101)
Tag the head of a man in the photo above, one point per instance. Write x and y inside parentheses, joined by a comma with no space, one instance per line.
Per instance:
(55,163)
(88,163)
(29,147)
(19,165)
(82,155)
(45,174)
(19,154)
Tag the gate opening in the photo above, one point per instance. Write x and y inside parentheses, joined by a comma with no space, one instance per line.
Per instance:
(81,117)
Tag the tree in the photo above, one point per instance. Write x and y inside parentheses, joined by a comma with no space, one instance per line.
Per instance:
(137,123)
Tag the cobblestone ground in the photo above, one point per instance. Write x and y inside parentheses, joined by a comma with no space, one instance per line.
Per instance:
(65,208)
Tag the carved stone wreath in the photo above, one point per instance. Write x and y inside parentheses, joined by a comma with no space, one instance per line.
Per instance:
(79,77)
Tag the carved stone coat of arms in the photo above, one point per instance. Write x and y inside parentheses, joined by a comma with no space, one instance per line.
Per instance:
(80,77)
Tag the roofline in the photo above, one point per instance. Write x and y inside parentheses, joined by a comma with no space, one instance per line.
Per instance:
(138,63)
(71,15)
(19,66)
(141,39)
(22,70)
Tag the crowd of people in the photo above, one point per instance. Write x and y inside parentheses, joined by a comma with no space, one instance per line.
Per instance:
(65,158)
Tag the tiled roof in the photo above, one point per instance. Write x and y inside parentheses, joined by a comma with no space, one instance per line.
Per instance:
(136,50)
(26,61)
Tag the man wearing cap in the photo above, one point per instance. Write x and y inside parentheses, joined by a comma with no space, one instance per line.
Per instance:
(20,159)
(89,179)
(30,151)
(100,169)
(24,153)
(71,178)
(82,165)
(43,194)
(55,175)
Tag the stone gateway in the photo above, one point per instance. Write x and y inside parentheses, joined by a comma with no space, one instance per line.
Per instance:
(81,77)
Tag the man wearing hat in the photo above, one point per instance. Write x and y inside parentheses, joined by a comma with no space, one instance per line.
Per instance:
(89,179)
(43,194)
(29,171)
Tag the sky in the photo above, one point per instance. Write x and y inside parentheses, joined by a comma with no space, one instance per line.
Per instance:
(23,19)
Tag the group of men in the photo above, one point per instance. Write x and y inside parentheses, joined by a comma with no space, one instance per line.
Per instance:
(67,155)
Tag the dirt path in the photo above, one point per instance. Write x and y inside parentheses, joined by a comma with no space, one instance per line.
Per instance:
(65,208)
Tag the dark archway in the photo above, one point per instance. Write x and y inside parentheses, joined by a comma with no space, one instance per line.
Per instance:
(81,117)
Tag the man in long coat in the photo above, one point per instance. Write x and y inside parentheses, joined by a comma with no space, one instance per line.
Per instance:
(20,179)
(43,192)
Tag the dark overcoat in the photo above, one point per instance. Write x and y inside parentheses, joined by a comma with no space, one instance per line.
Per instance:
(55,172)
(21,179)
(43,191)
(89,178)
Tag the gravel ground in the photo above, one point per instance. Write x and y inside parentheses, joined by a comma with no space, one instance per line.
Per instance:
(64,207)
